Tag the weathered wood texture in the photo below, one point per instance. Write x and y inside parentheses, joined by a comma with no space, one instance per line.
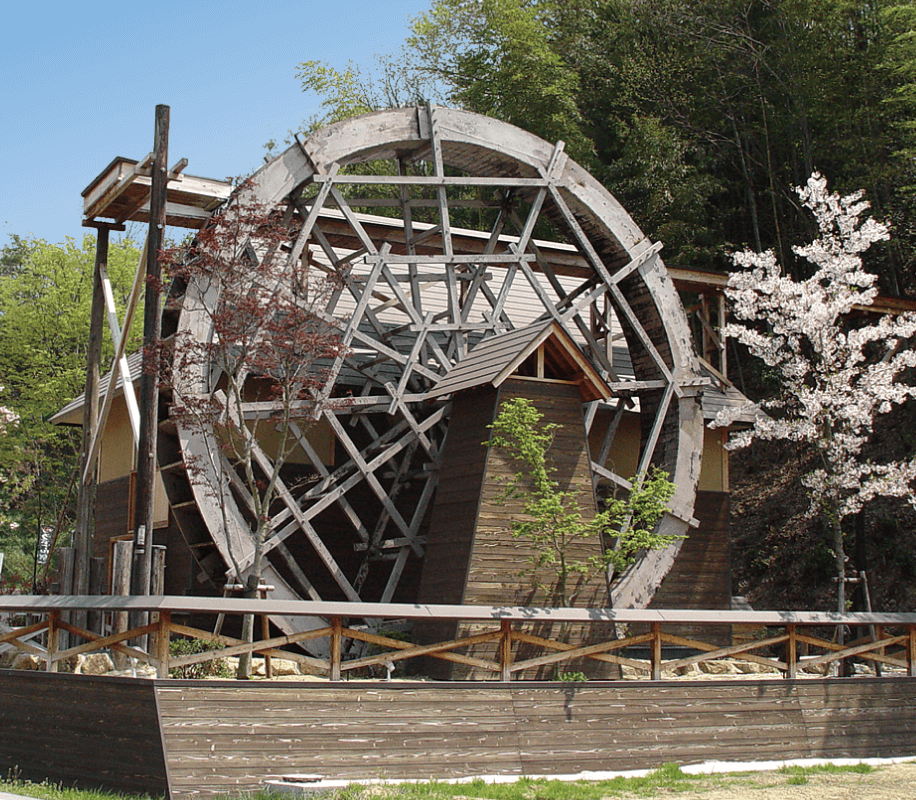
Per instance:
(112,519)
(701,576)
(413,302)
(497,556)
(472,556)
(216,737)
(220,738)
(454,518)
(111,513)
(81,731)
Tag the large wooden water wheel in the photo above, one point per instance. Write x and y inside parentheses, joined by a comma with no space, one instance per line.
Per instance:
(438,222)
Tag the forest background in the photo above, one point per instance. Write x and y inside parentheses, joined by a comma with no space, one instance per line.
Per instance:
(699,116)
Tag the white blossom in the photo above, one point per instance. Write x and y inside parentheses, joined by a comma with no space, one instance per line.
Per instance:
(836,376)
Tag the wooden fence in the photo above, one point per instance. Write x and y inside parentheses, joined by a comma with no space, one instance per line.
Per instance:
(891,639)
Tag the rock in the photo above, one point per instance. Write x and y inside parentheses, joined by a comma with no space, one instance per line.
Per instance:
(6,658)
(718,667)
(94,664)
(753,668)
(27,661)
(815,669)
(140,671)
(308,669)
(283,666)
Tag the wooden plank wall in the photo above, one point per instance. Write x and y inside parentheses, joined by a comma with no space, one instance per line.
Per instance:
(219,737)
(81,731)
(472,556)
(112,513)
(701,576)
(497,556)
(454,517)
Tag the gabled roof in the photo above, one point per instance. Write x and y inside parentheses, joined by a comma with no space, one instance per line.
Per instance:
(496,358)
(72,413)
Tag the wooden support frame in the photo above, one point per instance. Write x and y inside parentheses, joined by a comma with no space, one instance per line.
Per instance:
(415,299)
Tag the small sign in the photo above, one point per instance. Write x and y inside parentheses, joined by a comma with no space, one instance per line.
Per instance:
(45,537)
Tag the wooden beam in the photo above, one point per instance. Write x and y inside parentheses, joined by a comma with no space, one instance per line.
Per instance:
(116,364)
(95,206)
(149,381)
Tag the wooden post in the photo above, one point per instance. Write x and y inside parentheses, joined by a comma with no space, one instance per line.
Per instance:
(791,653)
(149,381)
(157,571)
(723,353)
(157,587)
(53,637)
(97,586)
(911,651)
(162,644)
(656,657)
(505,650)
(120,585)
(265,634)
(66,557)
(878,631)
(85,503)
(335,648)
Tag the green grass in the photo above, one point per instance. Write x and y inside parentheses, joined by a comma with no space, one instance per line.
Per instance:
(669,779)
(54,791)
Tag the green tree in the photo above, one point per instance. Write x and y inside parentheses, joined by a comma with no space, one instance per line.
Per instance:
(700,116)
(45,299)
(502,58)
(553,520)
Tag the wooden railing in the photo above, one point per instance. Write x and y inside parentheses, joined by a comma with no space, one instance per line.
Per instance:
(891,641)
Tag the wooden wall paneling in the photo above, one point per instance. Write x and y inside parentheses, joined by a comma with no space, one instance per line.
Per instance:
(701,576)
(208,737)
(219,738)
(81,731)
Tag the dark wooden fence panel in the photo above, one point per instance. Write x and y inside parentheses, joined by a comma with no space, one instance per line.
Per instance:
(81,731)
(219,737)
(222,736)
(842,720)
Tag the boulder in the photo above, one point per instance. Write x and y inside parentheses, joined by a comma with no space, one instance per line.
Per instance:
(283,666)
(94,664)
(27,661)
(753,668)
(718,667)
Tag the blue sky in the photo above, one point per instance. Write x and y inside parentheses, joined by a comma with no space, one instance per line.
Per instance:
(79,83)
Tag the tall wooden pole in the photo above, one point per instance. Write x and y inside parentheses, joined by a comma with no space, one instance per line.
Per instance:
(85,503)
(149,391)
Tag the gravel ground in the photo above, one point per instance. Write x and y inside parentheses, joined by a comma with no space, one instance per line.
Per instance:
(894,782)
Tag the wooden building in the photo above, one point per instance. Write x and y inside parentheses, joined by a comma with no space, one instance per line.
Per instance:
(450,303)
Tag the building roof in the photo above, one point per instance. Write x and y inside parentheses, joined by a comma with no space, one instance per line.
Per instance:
(496,358)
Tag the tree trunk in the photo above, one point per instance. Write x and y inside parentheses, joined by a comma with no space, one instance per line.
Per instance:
(251,584)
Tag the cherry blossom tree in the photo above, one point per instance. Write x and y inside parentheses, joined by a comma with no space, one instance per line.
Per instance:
(837,374)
